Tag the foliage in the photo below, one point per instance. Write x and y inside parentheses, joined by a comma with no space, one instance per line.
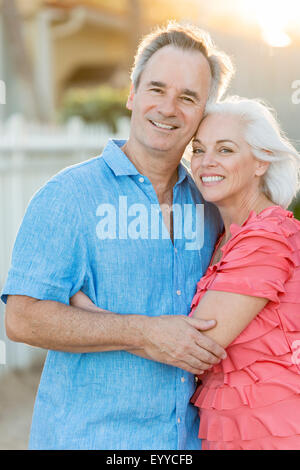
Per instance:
(103,104)
(295,208)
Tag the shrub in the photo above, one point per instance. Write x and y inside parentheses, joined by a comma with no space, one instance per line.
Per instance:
(103,104)
(295,208)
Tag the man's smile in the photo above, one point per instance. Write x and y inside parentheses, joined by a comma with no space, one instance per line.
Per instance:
(161,125)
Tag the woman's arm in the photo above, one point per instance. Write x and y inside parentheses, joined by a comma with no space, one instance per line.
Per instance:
(233,312)
(253,271)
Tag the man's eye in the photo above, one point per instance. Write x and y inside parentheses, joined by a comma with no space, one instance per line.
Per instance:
(187,99)
(198,151)
(157,90)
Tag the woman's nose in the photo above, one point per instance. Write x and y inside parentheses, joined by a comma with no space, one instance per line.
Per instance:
(208,159)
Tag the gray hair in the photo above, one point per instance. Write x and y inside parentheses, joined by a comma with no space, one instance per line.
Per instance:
(281,182)
(186,37)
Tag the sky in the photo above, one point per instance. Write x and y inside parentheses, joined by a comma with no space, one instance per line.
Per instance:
(277,21)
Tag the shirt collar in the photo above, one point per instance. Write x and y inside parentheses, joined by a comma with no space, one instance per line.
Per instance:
(120,164)
(182,173)
(117,160)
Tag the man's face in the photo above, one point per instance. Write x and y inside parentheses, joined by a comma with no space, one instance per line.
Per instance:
(169,102)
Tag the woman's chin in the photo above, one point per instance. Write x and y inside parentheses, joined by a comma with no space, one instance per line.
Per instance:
(209,196)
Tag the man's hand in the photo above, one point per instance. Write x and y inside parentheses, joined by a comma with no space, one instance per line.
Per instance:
(175,340)
(171,339)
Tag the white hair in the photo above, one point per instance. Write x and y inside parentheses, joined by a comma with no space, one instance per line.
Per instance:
(262,132)
(186,37)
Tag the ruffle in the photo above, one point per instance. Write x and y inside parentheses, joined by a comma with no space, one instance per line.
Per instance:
(260,371)
(268,346)
(255,395)
(279,221)
(273,223)
(266,321)
(262,339)
(270,289)
(279,419)
(275,328)
(264,443)
(245,235)
(279,227)
(290,321)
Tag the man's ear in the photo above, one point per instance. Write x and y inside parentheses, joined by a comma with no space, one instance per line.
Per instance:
(130,97)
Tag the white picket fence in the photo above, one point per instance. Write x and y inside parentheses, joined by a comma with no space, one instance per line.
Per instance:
(30,154)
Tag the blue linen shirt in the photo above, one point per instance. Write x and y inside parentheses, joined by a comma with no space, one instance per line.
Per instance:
(73,237)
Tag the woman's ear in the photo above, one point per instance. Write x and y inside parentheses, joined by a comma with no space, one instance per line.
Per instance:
(261,167)
(130,97)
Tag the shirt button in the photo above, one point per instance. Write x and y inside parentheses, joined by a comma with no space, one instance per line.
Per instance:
(178,420)
(178,292)
(141,179)
(196,379)
(175,249)
(182,379)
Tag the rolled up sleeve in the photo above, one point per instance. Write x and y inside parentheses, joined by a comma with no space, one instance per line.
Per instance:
(49,255)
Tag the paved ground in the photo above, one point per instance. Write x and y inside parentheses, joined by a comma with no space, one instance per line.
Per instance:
(17,395)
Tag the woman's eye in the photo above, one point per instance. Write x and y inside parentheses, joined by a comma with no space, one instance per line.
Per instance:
(225,150)
(157,90)
(197,151)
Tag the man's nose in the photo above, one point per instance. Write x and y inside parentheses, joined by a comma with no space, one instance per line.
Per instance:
(168,106)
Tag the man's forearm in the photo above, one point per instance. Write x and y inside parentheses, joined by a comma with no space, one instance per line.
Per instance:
(171,339)
(53,325)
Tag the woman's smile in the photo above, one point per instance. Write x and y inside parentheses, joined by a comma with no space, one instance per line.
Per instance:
(211,180)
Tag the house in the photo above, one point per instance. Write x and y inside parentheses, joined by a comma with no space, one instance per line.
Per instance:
(67,43)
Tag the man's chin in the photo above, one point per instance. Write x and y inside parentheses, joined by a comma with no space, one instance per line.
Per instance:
(164,147)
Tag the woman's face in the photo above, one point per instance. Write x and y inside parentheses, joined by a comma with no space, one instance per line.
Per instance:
(223,166)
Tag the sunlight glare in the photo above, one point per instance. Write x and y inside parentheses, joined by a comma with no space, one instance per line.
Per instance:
(274,18)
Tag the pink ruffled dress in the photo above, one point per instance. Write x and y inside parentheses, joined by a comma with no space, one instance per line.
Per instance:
(251,400)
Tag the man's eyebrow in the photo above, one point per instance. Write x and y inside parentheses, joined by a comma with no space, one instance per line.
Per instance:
(158,84)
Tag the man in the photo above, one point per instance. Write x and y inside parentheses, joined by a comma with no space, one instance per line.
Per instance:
(94,393)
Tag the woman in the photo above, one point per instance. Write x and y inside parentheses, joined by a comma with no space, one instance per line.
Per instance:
(245,166)
(242,164)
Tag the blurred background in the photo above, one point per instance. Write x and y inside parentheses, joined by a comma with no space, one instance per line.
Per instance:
(64,79)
